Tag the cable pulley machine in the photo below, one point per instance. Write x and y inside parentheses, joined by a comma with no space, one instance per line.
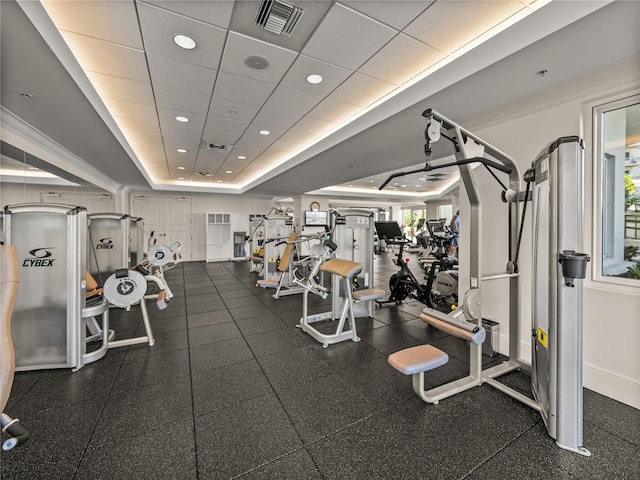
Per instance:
(556,367)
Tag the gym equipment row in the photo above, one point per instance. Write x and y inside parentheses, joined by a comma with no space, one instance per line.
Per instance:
(556,367)
(60,309)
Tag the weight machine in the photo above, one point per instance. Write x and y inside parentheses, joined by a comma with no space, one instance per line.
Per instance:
(556,368)
(58,305)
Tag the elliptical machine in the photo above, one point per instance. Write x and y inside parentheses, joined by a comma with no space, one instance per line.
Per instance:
(440,291)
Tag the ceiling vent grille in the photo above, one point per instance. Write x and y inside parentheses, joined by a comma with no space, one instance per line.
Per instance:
(205,145)
(278,17)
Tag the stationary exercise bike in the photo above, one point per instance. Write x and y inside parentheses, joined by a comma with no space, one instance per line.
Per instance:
(440,291)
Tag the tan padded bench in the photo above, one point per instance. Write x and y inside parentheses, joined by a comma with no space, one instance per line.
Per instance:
(368,295)
(414,360)
(342,268)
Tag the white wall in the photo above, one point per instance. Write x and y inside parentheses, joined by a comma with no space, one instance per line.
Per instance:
(611,314)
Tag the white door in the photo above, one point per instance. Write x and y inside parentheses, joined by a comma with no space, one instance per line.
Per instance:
(93,202)
(168,218)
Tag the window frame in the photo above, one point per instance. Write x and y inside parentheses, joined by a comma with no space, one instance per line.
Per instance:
(598,189)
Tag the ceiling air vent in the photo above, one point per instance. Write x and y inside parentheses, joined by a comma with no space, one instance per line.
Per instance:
(278,17)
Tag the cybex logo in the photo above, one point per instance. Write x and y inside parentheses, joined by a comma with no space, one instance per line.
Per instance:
(104,243)
(42,258)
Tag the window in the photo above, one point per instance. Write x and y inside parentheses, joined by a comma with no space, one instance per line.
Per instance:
(618,154)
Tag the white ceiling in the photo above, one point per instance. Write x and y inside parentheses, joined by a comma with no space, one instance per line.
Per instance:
(135,80)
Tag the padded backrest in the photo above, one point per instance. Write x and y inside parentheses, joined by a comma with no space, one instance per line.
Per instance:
(287,254)
(8,294)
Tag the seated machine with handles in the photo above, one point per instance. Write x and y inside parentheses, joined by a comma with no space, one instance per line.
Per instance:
(557,352)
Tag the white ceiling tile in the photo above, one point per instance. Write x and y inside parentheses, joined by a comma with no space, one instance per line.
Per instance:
(242,89)
(173,73)
(274,118)
(253,131)
(181,159)
(239,47)
(136,126)
(190,135)
(114,22)
(168,117)
(401,59)
(251,144)
(108,58)
(362,90)
(122,88)
(332,76)
(347,38)
(136,111)
(299,135)
(397,13)
(181,100)
(216,12)
(314,126)
(333,110)
(225,125)
(292,101)
(221,138)
(221,107)
(448,26)
(159,26)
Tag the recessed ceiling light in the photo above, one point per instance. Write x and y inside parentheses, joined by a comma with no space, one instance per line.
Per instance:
(265,132)
(219,181)
(185,42)
(182,150)
(180,178)
(241,157)
(180,168)
(182,119)
(228,171)
(314,79)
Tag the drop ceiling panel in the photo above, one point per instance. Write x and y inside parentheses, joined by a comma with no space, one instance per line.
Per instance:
(168,118)
(132,110)
(221,138)
(122,88)
(226,125)
(190,135)
(159,26)
(216,13)
(344,27)
(448,26)
(136,126)
(173,73)
(362,90)
(181,100)
(397,13)
(221,107)
(242,89)
(401,59)
(333,110)
(239,47)
(253,131)
(253,145)
(292,101)
(332,76)
(180,159)
(108,58)
(274,118)
(114,22)
(314,126)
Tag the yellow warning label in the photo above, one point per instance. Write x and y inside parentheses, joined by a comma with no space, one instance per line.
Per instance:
(256,251)
(272,260)
(542,337)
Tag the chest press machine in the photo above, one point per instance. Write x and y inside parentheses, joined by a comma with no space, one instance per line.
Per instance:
(556,367)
